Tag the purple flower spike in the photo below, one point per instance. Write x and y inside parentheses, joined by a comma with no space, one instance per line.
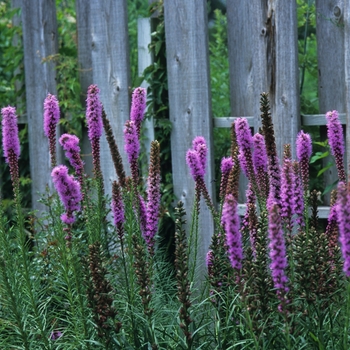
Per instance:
(287,194)
(277,252)
(10,142)
(226,165)
(132,148)
(138,107)
(298,200)
(117,206)
(70,143)
(69,192)
(153,195)
(10,139)
(245,143)
(230,222)
(336,141)
(260,162)
(304,150)
(195,165)
(200,146)
(94,112)
(51,119)
(344,225)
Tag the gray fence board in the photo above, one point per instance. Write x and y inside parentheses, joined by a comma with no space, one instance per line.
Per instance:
(189,99)
(111,72)
(40,42)
(331,84)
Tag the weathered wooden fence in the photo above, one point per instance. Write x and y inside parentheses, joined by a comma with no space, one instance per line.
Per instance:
(263,56)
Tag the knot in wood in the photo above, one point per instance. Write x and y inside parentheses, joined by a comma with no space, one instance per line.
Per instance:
(263,31)
(337,11)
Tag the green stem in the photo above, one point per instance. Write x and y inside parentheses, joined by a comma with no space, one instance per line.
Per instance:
(347,316)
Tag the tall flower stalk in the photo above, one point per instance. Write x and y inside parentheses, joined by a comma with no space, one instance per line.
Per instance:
(70,143)
(304,150)
(10,144)
(336,141)
(138,107)
(153,196)
(277,252)
(132,149)
(51,119)
(69,192)
(95,125)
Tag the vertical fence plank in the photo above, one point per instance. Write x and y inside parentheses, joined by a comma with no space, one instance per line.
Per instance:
(40,43)
(346,18)
(85,69)
(262,41)
(111,72)
(244,96)
(189,99)
(284,84)
(330,56)
(144,61)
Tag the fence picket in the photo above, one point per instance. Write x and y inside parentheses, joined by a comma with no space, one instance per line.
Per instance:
(189,99)
(40,46)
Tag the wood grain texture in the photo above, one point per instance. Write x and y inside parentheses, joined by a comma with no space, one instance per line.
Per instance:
(40,44)
(144,61)
(346,19)
(111,72)
(85,71)
(262,42)
(330,56)
(189,100)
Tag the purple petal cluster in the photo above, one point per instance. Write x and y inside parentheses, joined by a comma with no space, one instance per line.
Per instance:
(153,195)
(51,115)
(298,200)
(68,190)
(287,193)
(51,119)
(343,211)
(226,167)
(336,141)
(94,112)
(117,207)
(245,144)
(131,141)
(10,143)
(230,222)
(196,157)
(304,151)
(70,143)
(10,139)
(277,252)
(260,162)
(138,107)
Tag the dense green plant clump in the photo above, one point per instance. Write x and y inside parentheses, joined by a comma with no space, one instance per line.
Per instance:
(85,279)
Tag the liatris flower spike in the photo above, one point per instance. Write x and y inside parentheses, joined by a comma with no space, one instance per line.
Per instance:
(10,142)
(245,143)
(304,150)
(94,122)
(277,252)
(226,167)
(344,225)
(117,206)
(260,164)
(69,192)
(70,143)
(51,118)
(138,107)
(230,222)
(132,149)
(153,195)
(336,141)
